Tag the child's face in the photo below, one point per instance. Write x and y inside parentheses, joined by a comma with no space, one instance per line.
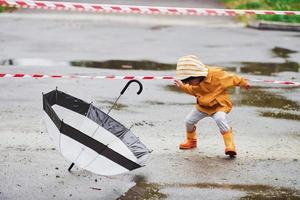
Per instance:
(194,81)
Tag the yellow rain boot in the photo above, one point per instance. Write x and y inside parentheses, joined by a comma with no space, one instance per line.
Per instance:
(191,140)
(229,144)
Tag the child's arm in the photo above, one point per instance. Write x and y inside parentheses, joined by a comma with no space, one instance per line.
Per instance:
(229,80)
(184,87)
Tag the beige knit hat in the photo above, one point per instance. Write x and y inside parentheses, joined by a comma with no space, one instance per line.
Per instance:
(188,66)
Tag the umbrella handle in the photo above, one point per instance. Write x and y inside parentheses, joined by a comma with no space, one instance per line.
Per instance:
(129,82)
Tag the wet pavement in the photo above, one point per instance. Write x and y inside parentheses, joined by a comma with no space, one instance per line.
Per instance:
(265,119)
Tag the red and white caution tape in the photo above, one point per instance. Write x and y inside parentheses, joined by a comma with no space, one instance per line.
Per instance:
(292,83)
(111,77)
(84,77)
(87,7)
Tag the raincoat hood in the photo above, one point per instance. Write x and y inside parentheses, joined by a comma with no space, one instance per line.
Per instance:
(190,66)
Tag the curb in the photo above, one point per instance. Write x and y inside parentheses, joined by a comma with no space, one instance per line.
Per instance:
(276,26)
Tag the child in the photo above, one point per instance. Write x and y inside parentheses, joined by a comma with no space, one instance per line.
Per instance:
(209,86)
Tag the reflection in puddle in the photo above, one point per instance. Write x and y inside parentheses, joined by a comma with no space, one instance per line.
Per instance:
(125,64)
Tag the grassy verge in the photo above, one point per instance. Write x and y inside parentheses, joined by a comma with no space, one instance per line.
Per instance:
(6,9)
(1,9)
(292,5)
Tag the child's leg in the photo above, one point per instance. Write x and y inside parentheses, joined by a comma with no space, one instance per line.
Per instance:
(226,131)
(190,121)
(193,118)
(220,119)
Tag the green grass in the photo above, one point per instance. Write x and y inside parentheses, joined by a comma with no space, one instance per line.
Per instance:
(290,5)
(1,9)
(6,9)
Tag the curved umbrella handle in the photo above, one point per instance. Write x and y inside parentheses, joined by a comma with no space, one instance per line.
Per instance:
(129,82)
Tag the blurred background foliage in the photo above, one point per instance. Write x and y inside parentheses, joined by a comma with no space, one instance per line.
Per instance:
(292,5)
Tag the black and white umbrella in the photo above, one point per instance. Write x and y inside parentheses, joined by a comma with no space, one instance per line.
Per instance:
(90,138)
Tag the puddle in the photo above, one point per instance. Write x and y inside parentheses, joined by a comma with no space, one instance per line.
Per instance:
(266,69)
(269,69)
(266,99)
(258,68)
(143,190)
(282,52)
(125,64)
(281,115)
(258,97)
(261,192)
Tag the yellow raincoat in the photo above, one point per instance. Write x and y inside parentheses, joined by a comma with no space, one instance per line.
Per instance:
(211,93)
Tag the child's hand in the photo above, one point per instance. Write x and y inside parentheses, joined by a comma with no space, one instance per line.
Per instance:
(178,83)
(247,87)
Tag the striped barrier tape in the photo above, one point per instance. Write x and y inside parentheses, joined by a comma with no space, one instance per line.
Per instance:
(40,76)
(109,8)
(291,83)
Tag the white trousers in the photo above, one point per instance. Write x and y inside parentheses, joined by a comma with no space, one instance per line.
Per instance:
(195,116)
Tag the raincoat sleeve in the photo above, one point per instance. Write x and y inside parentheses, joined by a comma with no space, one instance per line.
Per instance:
(230,79)
(187,89)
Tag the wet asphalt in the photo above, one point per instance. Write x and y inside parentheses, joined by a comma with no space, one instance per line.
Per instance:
(265,119)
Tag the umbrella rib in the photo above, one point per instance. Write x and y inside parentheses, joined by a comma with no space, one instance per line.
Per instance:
(59,144)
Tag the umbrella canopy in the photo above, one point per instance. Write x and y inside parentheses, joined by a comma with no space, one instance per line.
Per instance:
(89,138)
